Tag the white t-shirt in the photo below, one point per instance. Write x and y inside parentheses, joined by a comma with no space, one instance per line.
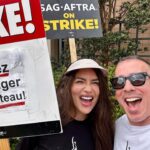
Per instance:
(129,137)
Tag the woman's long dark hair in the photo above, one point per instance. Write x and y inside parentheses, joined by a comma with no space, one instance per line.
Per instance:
(101,116)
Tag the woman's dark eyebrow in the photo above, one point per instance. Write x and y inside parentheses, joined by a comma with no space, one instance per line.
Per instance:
(81,78)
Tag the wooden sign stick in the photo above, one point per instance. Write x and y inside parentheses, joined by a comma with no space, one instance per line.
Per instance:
(72,48)
(4,144)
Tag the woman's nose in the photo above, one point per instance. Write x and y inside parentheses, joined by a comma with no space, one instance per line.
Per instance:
(88,88)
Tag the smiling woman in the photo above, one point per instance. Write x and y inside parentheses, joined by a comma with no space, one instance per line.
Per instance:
(85,92)
(85,111)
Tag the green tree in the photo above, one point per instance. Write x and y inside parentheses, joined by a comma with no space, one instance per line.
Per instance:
(136,14)
(114,45)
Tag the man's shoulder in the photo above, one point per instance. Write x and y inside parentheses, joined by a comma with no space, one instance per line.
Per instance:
(122,120)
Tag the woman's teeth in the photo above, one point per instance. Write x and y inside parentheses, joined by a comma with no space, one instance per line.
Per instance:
(87,98)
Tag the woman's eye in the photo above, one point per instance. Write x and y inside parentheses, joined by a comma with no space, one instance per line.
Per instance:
(78,81)
(96,82)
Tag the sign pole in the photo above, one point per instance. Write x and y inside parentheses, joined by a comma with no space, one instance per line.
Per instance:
(72,48)
(4,144)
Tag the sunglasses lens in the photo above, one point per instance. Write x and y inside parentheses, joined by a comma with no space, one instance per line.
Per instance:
(118,83)
(137,79)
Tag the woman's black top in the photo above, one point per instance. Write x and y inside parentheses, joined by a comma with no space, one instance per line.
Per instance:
(76,135)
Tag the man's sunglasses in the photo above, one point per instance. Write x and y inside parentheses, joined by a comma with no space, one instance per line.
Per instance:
(136,79)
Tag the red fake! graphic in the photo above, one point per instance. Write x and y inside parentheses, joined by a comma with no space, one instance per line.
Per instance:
(20,20)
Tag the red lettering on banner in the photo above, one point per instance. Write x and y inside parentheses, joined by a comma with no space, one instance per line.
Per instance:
(20,20)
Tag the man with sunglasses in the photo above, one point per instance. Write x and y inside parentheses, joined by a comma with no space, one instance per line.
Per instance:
(132,91)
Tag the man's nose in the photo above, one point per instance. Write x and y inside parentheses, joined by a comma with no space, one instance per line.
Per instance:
(128,86)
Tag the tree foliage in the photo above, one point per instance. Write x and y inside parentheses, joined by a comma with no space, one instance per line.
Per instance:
(137,13)
(114,45)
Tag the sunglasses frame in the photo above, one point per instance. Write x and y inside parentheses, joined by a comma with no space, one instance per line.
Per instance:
(130,79)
